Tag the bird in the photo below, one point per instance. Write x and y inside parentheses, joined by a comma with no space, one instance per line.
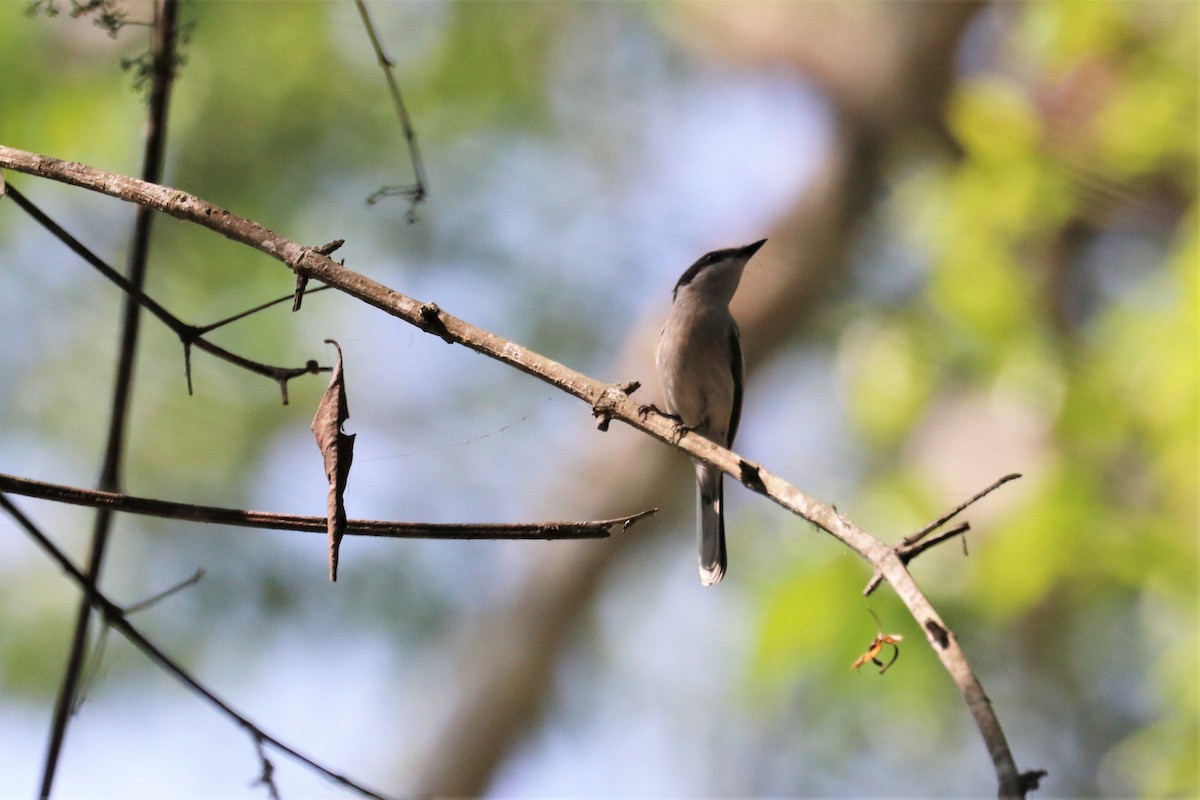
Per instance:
(699,361)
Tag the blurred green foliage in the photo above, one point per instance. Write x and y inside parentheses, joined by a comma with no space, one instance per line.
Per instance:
(1061,277)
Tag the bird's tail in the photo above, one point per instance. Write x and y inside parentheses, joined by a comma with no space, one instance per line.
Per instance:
(711,523)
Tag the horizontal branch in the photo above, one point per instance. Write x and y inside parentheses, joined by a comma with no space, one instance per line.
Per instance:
(116,501)
(114,616)
(607,402)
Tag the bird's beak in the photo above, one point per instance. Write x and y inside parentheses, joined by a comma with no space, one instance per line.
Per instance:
(751,249)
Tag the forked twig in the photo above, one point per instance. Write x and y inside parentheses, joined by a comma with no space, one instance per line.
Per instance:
(189,335)
(266,776)
(418,192)
(912,546)
(954,512)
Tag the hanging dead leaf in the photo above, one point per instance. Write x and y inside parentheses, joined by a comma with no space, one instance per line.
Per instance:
(337,451)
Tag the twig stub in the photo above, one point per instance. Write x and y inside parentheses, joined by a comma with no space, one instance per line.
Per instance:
(431,322)
(606,404)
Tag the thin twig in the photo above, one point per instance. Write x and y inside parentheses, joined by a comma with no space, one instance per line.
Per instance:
(910,546)
(954,512)
(163,64)
(907,552)
(142,605)
(188,334)
(266,776)
(94,668)
(212,326)
(115,501)
(418,192)
(115,618)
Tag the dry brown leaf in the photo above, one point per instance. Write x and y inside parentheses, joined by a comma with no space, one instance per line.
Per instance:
(337,451)
(876,647)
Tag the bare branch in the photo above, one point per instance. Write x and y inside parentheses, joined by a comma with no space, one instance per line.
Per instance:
(417,193)
(115,618)
(115,501)
(912,546)
(142,605)
(188,334)
(949,515)
(162,68)
(212,326)
(267,775)
(615,405)
(908,552)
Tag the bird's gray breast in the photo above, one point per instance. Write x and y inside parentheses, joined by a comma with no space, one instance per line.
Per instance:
(695,362)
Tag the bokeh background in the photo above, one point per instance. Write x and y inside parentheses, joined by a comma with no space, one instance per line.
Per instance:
(983,259)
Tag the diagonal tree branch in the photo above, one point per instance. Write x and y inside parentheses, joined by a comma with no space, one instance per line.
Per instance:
(114,616)
(607,402)
(115,501)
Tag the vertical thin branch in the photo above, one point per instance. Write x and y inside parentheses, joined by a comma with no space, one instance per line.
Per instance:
(418,192)
(164,60)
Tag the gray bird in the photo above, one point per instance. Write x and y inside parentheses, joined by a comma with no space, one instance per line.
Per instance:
(699,360)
